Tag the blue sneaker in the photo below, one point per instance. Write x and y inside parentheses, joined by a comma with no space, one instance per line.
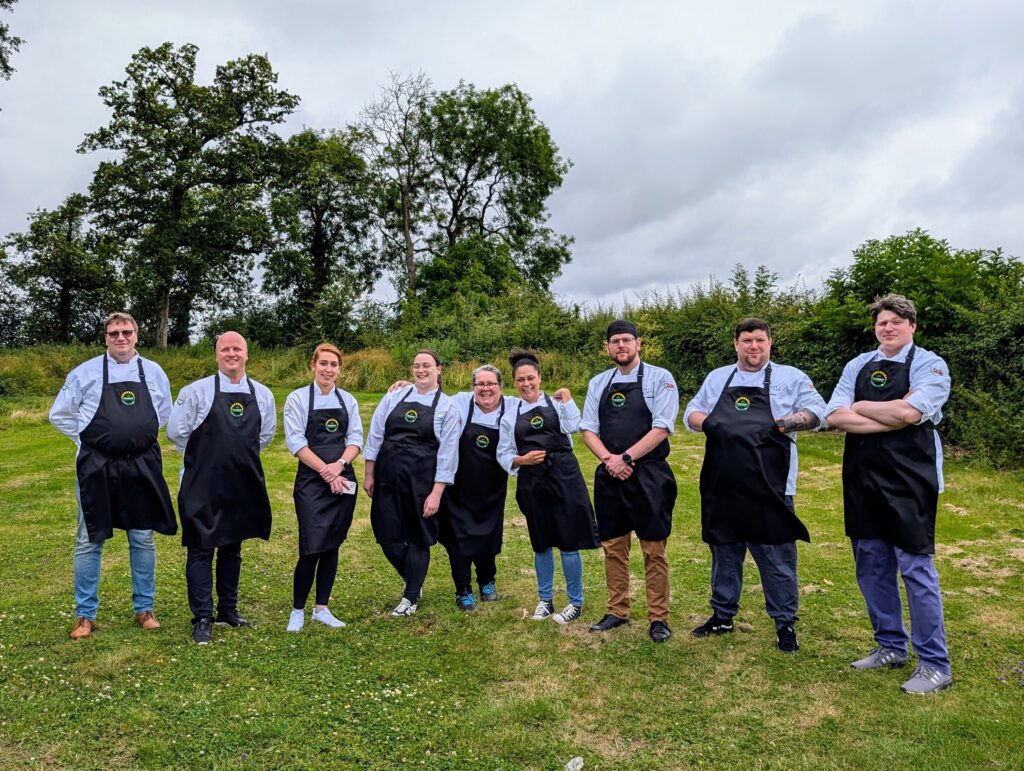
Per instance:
(465,602)
(488,593)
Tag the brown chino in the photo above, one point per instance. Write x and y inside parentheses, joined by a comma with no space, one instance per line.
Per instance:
(616,571)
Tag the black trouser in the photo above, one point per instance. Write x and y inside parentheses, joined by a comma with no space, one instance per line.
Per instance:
(411,562)
(199,579)
(323,565)
(462,576)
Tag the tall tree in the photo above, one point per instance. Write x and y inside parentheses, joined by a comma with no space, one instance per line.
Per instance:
(321,214)
(394,141)
(9,44)
(67,273)
(184,191)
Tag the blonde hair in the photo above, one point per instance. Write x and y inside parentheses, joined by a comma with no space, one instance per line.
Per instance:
(120,316)
(321,349)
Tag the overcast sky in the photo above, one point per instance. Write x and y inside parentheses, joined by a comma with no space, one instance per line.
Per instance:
(701,134)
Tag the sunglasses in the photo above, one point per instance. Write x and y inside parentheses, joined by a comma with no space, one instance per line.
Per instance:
(125,333)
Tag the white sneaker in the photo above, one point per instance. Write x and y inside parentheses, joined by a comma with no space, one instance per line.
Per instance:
(569,613)
(296,620)
(325,617)
(544,610)
(404,608)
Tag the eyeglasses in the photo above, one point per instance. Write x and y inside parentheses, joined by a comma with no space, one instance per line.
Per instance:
(116,333)
(492,384)
(621,341)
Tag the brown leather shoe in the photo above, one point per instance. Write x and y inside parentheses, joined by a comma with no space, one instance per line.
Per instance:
(83,628)
(147,620)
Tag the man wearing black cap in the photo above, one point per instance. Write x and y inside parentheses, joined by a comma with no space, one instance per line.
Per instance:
(627,418)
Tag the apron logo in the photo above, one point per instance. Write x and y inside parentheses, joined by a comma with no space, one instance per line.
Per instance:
(743,404)
(879,378)
(411,416)
(483,441)
(128,398)
(537,421)
(236,410)
(331,425)
(618,399)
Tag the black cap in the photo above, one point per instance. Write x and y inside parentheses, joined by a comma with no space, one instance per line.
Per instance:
(621,326)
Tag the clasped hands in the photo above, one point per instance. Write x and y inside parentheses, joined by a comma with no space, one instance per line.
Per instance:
(331,474)
(617,467)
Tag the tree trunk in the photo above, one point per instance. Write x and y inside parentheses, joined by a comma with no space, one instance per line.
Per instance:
(410,253)
(163,318)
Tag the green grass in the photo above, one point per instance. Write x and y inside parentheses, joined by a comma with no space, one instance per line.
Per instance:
(493,689)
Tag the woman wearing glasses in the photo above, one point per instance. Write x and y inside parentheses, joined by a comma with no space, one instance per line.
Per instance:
(324,431)
(535,444)
(411,453)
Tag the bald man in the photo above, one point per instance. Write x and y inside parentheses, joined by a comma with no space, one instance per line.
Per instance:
(220,424)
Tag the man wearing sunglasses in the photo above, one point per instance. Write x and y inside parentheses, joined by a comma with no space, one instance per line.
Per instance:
(627,418)
(112,408)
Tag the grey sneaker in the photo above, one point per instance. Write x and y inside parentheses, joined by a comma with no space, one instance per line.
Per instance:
(881,657)
(927,679)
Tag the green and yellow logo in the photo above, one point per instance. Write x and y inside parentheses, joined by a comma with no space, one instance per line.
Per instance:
(128,398)
(537,421)
(879,378)
(331,425)
(237,409)
(411,416)
(483,441)
(618,399)
(743,404)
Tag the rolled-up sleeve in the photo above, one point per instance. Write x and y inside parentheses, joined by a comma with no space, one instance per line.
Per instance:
(665,403)
(268,416)
(842,394)
(447,427)
(592,404)
(702,402)
(808,398)
(354,435)
(929,387)
(568,416)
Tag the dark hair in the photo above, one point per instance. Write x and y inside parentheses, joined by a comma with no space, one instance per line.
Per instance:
(751,325)
(896,303)
(519,357)
(433,355)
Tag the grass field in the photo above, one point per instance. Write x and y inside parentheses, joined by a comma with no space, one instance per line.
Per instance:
(493,689)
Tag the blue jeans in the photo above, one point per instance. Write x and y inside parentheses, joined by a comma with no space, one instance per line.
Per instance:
(877,564)
(572,567)
(141,557)
(777,565)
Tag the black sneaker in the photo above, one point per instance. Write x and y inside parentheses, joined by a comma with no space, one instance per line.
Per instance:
(714,625)
(659,631)
(608,623)
(787,639)
(202,631)
(231,618)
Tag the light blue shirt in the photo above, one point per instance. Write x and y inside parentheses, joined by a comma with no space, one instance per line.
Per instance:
(929,388)
(79,397)
(296,413)
(568,421)
(447,428)
(790,391)
(659,390)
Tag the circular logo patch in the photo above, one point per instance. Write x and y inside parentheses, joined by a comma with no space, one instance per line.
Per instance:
(618,399)
(128,398)
(537,421)
(331,425)
(236,409)
(879,378)
(743,404)
(411,415)
(483,441)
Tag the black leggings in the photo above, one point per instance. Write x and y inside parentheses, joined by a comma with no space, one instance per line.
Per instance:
(324,565)
(411,562)
(486,570)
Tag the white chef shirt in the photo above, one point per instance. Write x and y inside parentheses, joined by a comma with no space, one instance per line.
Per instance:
(568,421)
(659,390)
(447,428)
(195,400)
(296,413)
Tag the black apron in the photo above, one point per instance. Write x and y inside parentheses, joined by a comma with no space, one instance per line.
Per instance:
(746,464)
(324,517)
(472,511)
(552,495)
(223,496)
(890,481)
(403,475)
(119,465)
(645,500)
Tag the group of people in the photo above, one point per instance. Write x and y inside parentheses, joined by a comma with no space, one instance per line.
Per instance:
(437,468)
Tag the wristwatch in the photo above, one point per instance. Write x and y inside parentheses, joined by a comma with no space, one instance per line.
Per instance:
(627,458)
